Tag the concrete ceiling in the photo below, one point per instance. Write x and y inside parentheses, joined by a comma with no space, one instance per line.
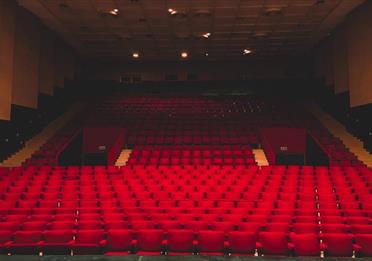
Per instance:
(267,27)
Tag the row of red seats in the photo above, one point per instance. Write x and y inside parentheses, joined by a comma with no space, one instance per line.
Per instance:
(149,241)
(197,214)
(300,224)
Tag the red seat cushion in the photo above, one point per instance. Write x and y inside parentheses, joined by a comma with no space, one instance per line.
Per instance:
(180,240)
(241,242)
(338,244)
(305,244)
(365,242)
(211,241)
(273,243)
(149,240)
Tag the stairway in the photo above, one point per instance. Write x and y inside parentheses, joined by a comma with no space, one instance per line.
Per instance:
(338,130)
(38,140)
(123,158)
(260,157)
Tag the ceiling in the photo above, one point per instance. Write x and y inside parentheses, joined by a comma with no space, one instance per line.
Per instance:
(267,27)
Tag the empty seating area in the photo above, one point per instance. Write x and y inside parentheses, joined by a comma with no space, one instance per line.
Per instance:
(191,186)
(215,210)
(192,155)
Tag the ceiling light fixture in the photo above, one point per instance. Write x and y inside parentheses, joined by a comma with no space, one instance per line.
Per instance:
(206,54)
(273,11)
(206,35)
(172,11)
(114,12)
(184,55)
(135,55)
(246,51)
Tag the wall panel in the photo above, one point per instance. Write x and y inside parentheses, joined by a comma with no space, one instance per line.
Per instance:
(7,29)
(360,55)
(26,60)
(47,64)
(340,60)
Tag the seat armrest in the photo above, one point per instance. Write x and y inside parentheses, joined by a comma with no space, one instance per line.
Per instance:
(323,247)
(258,245)
(103,242)
(291,246)
(357,247)
(164,242)
(8,243)
(134,242)
(40,243)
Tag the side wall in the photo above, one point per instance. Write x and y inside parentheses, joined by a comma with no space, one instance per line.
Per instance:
(32,59)
(344,59)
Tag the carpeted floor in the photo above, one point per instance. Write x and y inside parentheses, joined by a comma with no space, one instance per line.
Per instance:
(165,258)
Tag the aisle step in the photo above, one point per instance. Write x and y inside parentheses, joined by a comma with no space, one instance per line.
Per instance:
(352,143)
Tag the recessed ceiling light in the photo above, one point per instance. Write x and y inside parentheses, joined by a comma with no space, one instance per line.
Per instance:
(135,55)
(206,54)
(172,11)
(273,11)
(184,55)
(206,35)
(114,11)
(247,51)
(260,34)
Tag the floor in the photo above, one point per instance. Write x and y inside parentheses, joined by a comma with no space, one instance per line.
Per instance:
(165,258)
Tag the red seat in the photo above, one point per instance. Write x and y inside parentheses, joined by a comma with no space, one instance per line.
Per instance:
(149,241)
(6,237)
(278,227)
(110,225)
(34,225)
(179,242)
(211,242)
(9,226)
(169,225)
(88,242)
(118,242)
(273,243)
(334,228)
(223,226)
(25,242)
(300,228)
(305,244)
(249,227)
(361,229)
(363,244)
(89,225)
(337,244)
(57,242)
(196,225)
(242,243)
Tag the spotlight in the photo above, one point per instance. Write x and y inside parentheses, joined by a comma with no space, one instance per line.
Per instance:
(246,51)
(184,55)
(135,55)
(172,11)
(114,12)
(206,35)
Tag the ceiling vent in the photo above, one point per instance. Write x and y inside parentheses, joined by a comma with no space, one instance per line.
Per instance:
(260,34)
